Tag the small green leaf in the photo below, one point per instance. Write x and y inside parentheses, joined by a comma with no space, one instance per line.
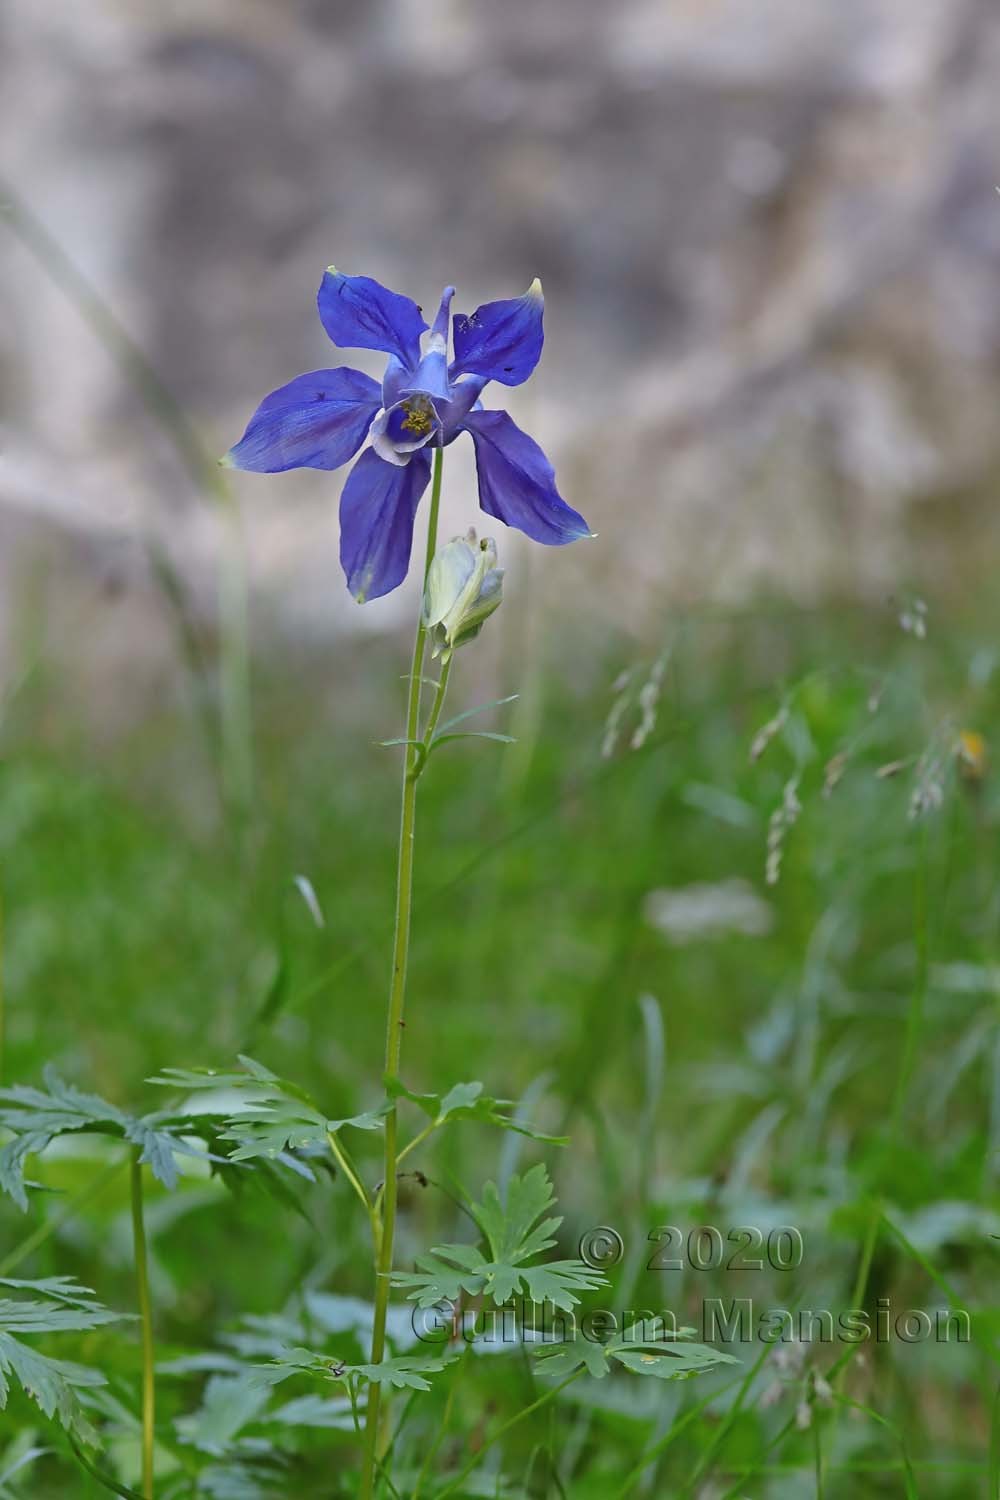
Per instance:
(481,709)
(466,1101)
(663,1358)
(471,734)
(59,1305)
(408,1371)
(560,1360)
(278,1117)
(515,1230)
(37,1118)
(405,1371)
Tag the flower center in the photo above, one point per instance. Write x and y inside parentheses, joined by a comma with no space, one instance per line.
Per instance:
(419,417)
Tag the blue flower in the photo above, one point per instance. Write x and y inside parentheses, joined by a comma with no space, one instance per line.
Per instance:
(321,420)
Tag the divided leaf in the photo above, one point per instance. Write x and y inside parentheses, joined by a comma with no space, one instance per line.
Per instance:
(405,1371)
(59,1306)
(663,1357)
(466,1101)
(37,1117)
(277,1116)
(515,1231)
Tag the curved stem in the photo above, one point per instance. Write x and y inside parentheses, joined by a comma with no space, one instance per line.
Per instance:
(146,1316)
(350,1171)
(418,1140)
(438,704)
(442,1431)
(505,1427)
(412,766)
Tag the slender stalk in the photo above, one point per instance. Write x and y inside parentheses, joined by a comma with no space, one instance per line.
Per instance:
(417,1142)
(722,1432)
(146,1317)
(650,1455)
(412,765)
(442,1431)
(350,1172)
(504,1428)
(438,704)
(818,1458)
(904,1072)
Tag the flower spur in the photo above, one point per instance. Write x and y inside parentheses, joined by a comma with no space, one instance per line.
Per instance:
(322,419)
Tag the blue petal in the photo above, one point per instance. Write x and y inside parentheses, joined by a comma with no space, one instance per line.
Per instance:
(359,313)
(396,434)
(430,378)
(377,508)
(316,421)
(517,484)
(394,379)
(501,340)
(464,398)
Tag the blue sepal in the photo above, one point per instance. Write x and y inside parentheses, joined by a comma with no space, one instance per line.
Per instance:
(359,313)
(501,340)
(377,507)
(517,484)
(316,421)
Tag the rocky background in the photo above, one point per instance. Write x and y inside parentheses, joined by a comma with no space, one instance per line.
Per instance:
(769,233)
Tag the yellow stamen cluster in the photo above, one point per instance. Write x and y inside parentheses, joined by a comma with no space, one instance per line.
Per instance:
(419,416)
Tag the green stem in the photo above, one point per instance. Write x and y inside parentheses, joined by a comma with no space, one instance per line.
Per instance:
(650,1455)
(146,1316)
(418,1140)
(818,1457)
(442,1431)
(438,704)
(412,765)
(907,1060)
(504,1428)
(707,1456)
(350,1172)
(918,996)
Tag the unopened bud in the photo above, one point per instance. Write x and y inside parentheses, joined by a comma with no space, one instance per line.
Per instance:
(464,587)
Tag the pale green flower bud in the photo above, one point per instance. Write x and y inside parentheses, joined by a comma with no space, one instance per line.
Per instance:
(464,587)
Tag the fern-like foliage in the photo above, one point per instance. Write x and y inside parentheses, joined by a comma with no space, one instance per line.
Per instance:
(55,1305)
(36,1117)
(467,1101)
(642,1349)
(402,1372)
(516,1230)
(277,1118)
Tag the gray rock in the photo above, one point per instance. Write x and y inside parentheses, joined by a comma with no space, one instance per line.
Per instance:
(769,234)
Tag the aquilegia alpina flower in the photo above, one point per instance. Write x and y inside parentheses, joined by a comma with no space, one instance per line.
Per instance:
(321,420)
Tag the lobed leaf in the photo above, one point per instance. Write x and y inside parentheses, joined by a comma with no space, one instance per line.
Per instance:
(466,1101)
(663,1357)
(59,1305)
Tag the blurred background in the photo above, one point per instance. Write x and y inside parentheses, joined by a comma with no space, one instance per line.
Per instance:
(768,232)
(745,841)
